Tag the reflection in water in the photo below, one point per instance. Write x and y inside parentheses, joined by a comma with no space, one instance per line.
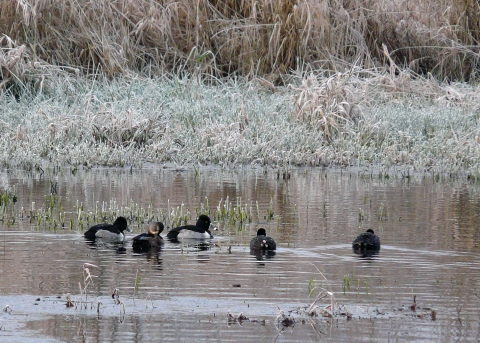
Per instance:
(202,246)
(152,255)
(192,243)
(365,252)
(314,218)
(121,250)
(203,258)
(99,243)
(261,255)
(146,248)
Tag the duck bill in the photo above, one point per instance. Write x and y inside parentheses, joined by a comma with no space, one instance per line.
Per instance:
(128,229)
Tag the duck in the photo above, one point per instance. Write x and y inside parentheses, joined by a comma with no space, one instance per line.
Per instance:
(150,239)
(201,230)
(112,232)
(367,240)
(262,241)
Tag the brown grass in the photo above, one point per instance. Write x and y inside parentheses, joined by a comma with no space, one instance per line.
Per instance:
(251,38)
(329,104)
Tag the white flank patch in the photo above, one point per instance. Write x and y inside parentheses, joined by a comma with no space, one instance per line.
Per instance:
(104,234)
(192,234)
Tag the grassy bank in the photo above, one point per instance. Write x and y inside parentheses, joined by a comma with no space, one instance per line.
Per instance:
(340,120)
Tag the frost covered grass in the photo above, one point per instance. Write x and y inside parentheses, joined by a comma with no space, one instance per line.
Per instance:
(341,119)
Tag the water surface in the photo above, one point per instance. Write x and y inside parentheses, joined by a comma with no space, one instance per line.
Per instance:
(428,229)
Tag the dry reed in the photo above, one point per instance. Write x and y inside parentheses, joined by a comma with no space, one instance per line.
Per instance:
(251,38)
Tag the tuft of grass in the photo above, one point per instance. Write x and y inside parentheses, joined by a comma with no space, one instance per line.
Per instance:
(361,215)
(329,310)
(327,105)
(237,214)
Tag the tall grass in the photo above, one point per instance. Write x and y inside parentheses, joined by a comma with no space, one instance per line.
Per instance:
(267,37)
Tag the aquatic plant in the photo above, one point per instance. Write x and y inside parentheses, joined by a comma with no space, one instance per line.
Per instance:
(233,215)
(68,300)
(327,311)
(270,213)
(99,305)
(361,215)
(346,283)
(177,216)
(8,198)
(117,301)
(311,286)
(137,284)
(52,215)
(87,280)
(382,214)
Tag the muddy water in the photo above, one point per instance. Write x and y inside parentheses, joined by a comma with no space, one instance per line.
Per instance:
(429,231)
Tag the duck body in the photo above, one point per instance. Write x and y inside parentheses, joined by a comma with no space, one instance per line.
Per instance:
(367,240)
(262,242)
(111,232)
(150,239)
(201,230)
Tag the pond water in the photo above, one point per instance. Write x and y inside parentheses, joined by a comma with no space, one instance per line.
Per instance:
(429,230)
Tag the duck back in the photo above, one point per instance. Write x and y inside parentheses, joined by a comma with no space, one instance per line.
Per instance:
(367,240)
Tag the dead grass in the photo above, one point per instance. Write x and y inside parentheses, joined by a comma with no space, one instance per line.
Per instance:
(328,104)
(267,38)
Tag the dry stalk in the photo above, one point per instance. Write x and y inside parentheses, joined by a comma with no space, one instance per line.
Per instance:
(327,104)
(329,310)
(212,39)
(87,279)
